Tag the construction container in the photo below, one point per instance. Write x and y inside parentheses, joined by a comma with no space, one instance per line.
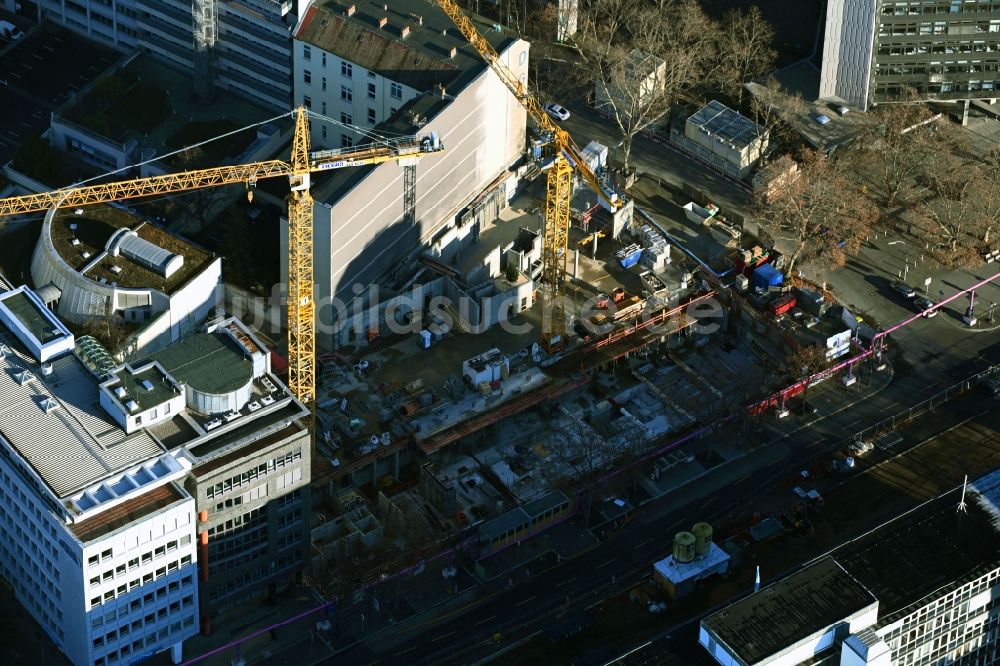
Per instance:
(425,339)
(766,276)
(629,256)
(782,304)
(811,301)
(703,538)
(684,547)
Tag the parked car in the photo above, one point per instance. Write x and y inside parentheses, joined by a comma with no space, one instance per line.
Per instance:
(903,289)
(924,306)
(9,31)
(556,112)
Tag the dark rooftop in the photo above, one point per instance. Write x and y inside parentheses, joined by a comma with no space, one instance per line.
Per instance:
(207,362)
(261,422)
(127,512)
(924,550)
(794,608)
(156,392)
(206,469)
(419,60)
(508,521)
(28,313)
(40,72)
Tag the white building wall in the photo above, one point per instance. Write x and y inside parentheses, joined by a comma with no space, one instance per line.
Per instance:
(847,51)
(142,579)
(339,89)
(191,303)
(39,560)
(360,236)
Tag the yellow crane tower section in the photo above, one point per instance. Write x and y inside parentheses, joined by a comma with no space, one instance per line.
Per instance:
(559,183)
(301,306)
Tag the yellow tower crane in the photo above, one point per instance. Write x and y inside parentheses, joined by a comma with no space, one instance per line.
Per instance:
(301,308)
(559,182)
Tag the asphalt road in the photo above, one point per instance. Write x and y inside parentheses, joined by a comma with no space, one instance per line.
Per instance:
(650,157)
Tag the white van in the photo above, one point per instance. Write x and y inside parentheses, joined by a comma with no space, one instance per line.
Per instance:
(10,31)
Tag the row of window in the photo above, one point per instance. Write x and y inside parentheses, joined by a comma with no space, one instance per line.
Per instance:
(135,583)
(907,9)
(146,620)
(251,495)
(145,558)
(251,577)
(152,640)
(249,476)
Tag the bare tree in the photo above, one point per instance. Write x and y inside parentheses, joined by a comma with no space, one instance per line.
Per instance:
(954,212)
(804,362)
(745,52)
(897,145)
(768,106)
(988,185)
(822,211)
(643,58)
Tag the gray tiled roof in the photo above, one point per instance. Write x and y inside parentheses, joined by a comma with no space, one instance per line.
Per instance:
(75,444)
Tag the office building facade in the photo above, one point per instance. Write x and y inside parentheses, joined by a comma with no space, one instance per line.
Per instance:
(243,47)
(876,51)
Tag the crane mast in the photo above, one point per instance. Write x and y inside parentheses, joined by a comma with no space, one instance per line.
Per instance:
(301,305)
(559,181)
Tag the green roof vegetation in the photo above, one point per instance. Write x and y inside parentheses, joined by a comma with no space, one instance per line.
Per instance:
(120,103)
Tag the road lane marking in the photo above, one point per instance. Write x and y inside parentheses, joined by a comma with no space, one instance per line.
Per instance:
(443,636)
(521,603)
(643,543)
(565,582)
(402,652)
(601,566)
(489,619)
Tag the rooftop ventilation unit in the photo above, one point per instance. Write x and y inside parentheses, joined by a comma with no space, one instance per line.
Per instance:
(132,406)
(75,242)
(85,254)
(120,392)
(46,369)
(116,270)
(148,385)
(78,211)
(49,405)
(24,377)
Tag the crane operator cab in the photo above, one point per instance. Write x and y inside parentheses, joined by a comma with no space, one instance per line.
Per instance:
(431,143)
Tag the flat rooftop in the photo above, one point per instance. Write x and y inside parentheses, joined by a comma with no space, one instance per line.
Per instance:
(929,549)
(133,103)
(127,512)
(95,227)
(40,72)
(58,426)
(148,387)
(790,610)
(207,362)
(726,124)
(33,319)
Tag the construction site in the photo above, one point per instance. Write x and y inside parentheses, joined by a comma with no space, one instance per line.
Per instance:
(536,339)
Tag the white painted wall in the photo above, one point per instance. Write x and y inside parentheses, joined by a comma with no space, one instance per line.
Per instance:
(847,51)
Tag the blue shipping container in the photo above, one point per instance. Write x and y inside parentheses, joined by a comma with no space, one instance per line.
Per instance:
(630,256)
(767,276)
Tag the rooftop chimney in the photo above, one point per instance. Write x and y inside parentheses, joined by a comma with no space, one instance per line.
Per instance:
(405,32)
(452,52)
(351,10)
(441,90)
(383,21)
